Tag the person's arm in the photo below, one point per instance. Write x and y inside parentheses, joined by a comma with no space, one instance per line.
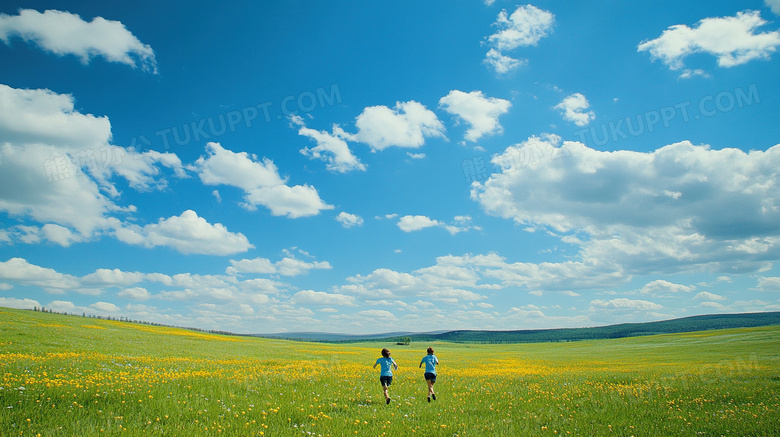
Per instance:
(395,365)
(376,363)
(421,363)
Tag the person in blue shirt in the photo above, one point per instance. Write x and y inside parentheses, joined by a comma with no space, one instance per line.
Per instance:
(430,362)
(386,374)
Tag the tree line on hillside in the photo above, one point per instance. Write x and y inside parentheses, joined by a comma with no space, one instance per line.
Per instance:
(687,324)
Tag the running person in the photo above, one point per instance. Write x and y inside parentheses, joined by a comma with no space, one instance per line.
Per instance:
(431,362)
(386,375)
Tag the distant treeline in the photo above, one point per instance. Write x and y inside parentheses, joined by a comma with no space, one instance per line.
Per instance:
(687,324)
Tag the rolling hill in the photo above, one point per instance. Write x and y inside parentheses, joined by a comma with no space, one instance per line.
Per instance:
(686,324)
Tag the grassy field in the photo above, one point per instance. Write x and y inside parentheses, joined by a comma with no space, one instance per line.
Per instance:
(72,376)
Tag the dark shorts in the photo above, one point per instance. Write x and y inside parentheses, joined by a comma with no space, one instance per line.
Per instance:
(385,380)
(430,376)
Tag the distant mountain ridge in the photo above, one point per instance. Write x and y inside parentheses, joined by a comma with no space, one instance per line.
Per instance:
(673,326)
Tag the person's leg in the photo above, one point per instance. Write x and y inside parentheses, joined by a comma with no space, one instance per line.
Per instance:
(385,386)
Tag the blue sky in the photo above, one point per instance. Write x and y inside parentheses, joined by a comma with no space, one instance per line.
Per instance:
(367,167)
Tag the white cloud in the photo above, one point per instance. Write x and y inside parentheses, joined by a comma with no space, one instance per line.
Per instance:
(574,108)
(449,284)
(733,40)
(283,200)
(688,73)
(23,304)
(410,223)
(294,267)
(661,287)
(502,64)
(260,181)
(349,220)
(46,146)
(64,33)
(480,112)
(257,265)
(187,233)
(714,305)
(49,232)
(525,27)
(705,295)
(20,271)
(623,303)
(135,293)
(41,116)
(225,167)
(769,284)
(112,277)
(774,5)
(311,297)
(287,266)
(405,125)
(724,215)
(62,306)
(331,147)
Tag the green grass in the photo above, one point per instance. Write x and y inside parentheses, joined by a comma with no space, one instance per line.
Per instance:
(72,376)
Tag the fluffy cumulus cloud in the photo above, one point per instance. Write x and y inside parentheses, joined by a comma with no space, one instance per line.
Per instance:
(574,108)
(260,181)
(678,208)
(287,266)
(502,64)
(480,112)
(64,33)
(411,223)
(22,304)
(331,147)
(707,296)
(769,284)
(446,284)
(349,220)
(407,124)
(524,27)
(134,293)
(188,234)
(732,40)
(661,287)
(57,167)
(774,5)
(311,297)
(20,271)
(624,304)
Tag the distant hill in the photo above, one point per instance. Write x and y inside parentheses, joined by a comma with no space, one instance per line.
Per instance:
(686,324)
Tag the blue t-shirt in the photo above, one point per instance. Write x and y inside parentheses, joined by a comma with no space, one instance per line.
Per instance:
(430,363)
(387,366)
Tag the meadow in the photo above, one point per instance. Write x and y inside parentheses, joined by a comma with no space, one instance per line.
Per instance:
(72,376)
